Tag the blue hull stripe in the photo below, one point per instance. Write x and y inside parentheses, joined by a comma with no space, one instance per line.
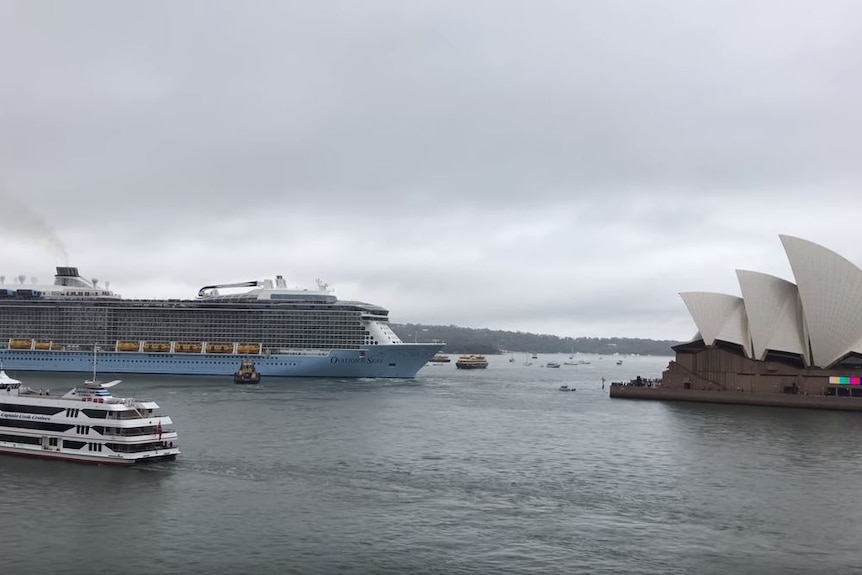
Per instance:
(403,360)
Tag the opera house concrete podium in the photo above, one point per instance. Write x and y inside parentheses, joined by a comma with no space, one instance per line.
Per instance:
(780,343)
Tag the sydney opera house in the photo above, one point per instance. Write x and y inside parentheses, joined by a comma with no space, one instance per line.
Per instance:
(778,337)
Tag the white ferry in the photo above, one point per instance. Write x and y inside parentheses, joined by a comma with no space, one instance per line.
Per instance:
(87,424)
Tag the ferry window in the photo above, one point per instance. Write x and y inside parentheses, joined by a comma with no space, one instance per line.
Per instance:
(30,409)
(19,438)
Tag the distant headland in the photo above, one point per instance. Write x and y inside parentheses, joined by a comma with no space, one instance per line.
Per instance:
(488,341)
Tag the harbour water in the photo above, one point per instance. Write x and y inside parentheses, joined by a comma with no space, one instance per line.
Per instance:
(485,471)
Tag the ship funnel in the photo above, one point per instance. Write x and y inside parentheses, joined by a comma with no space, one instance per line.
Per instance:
(21,279)
(2,279)
(95,281)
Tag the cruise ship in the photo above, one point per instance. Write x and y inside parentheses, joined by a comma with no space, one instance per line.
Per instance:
(287,332)
(87,425)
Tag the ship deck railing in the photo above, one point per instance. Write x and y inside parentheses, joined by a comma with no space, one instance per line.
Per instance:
(294,351)
(165,429)
(109,349)
(127,401)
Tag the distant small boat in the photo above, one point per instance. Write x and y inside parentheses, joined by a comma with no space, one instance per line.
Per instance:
(552,364)
(619,362)
(535,355)
(440,358)
(566,388)
(247,373)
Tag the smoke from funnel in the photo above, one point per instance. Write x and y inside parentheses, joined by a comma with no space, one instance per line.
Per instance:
(18,218)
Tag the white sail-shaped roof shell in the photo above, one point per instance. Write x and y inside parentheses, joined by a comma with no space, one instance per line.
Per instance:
(774,314)
(719,316)
(830,289)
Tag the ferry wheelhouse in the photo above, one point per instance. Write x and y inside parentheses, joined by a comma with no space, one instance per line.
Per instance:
(86,424)
(285,331)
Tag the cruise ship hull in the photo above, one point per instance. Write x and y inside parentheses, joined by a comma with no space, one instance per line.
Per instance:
(399,361)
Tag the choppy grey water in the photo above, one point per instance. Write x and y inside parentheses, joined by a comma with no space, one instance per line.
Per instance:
(487,471)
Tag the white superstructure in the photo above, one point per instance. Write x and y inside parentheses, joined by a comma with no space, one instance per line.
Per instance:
(87,424)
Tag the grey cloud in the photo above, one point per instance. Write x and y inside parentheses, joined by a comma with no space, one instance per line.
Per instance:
(446,157)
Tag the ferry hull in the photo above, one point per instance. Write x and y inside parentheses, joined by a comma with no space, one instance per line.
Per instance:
(9,448)
(399,361)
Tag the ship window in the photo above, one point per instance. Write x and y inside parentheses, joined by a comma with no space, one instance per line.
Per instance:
(134,448)
(30,409)
(72,444)
(19,438)
(43,425)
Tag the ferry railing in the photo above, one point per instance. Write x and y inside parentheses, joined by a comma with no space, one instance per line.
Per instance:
(148,431)
(126,401)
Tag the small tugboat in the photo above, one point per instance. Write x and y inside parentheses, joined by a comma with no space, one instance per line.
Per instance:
(440,358)
(566,388)
(247,373)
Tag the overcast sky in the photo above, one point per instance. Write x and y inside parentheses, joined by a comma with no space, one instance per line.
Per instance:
(558,167)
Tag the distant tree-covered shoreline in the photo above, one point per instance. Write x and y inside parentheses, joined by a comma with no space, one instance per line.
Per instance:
(488,341)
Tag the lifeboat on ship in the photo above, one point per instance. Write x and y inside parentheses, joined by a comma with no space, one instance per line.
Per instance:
(157,346)
(187,347)
(43,345)
(20,343)
(128,346)
(219,348)
(251,348)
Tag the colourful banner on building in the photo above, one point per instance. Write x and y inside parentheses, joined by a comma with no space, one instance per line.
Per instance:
(844,380)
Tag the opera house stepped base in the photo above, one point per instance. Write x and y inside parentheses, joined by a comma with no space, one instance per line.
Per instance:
(780,344)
